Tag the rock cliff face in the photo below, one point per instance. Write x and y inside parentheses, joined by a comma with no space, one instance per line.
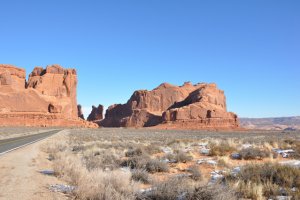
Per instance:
(47,99)
(199,106)
(80,112)
(96,114)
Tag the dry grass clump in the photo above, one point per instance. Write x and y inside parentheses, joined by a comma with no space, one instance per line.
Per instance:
(183,157)
(143,150)
(134,152)
(178,157)
(152,149)
(95,184)
(224,161)
(266,180)
(295,145)
(222,149)
(99,185)
(195,173)
(215,192)
(140,176)
(145,163)
(102,159)
(154,165)
(186,189)
(253,153)
(171,189)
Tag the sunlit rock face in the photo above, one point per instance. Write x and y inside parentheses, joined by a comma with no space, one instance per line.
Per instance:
(49,98)
(197,106)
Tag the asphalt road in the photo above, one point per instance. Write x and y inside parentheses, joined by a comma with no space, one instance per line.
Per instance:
(14,143)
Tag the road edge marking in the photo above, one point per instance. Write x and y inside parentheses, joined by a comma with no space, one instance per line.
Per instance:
(24,145)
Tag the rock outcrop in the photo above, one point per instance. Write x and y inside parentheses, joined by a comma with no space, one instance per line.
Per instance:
(200,106)
(80,112)
(96,114)
(49,98)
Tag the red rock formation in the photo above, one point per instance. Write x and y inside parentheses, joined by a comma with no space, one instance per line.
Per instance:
(96,114)
(48,99)
(200,106)
(80,113)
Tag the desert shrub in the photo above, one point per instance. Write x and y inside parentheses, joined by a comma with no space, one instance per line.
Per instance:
(195,173)
(183,157)
(214,192)
(100,185)
(68,167)
(77,148)
(155,165)
(222,149)
(53,148)
(134,152)
(140,175)
(178,156)
(296,147)
(265,180)
(169,156)
(101,159)
(95,184)
(186,189)
(253,153)
(145,163)
(224,162)
(168,190)
(152,149)
(136,162)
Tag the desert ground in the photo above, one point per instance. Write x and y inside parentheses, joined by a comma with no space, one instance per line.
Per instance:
(154,164)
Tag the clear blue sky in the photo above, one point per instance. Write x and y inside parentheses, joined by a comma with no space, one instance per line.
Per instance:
(250,48)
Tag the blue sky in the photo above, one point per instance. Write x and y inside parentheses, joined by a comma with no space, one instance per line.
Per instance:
(250,48)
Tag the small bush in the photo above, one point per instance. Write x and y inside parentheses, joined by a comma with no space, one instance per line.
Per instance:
(215,192)
(222,149)
(195,173)
(183,157)
(155,165)
(152,149)
(101,160)
(145,163)
(134,152)
(178,157)
(255,181)
(168,190)
(187,189)
(99,185)
(136,162)
(140,175)
(253,153)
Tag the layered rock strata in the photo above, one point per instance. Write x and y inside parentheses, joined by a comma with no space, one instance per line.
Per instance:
(49,98)
(200,106)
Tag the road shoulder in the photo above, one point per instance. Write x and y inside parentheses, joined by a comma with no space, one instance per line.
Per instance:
(20,177)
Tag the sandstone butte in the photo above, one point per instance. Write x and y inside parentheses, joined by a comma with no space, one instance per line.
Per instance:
(96,113)
(200,106)
(48,98)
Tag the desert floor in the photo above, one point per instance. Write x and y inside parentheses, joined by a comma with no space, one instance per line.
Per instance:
(79,155)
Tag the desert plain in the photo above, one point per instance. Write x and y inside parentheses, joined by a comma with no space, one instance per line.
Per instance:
(126,163)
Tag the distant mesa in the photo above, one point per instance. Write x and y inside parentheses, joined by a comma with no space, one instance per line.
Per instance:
(276,123)
(96,114)
(48,98)
(200,106)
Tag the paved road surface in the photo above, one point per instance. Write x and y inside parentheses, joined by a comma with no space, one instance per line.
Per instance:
(14,143)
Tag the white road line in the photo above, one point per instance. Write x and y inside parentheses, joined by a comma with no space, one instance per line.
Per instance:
(5,152)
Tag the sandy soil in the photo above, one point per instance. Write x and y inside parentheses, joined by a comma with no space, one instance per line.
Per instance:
(20,177)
